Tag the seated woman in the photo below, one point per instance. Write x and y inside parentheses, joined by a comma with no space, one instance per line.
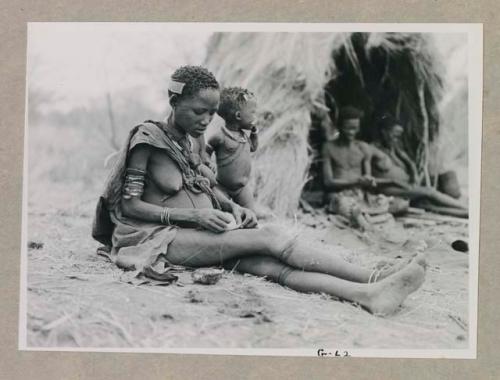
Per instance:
(390,165)
(159,210)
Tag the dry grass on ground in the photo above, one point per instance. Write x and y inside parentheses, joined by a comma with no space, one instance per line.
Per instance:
(77,299)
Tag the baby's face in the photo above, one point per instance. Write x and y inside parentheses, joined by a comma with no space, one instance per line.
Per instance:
(248,114)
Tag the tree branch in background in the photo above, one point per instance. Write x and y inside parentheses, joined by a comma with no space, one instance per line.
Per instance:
(113,140)
(424,162)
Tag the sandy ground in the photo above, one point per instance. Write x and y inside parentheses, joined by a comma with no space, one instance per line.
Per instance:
(78,299)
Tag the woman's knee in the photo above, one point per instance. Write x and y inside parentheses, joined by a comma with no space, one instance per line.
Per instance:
(277,241)
(260,266)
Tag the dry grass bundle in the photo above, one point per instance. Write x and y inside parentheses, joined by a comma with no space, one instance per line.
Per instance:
(287,72)
(396,73)
(295,75)
(422,116)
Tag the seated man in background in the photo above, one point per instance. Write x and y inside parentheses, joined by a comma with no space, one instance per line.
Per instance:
(347,173)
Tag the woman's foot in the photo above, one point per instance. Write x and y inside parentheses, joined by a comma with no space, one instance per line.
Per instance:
(384,270)
(387,295)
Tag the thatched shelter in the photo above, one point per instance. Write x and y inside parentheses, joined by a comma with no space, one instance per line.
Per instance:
(300,79)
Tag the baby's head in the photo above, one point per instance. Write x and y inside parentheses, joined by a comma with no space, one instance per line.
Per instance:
(238,107)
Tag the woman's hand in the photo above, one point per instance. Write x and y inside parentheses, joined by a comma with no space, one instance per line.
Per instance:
(244,217)
(212,220)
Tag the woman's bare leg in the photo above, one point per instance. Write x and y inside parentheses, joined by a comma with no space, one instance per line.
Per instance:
(202,248)
(421,192)
(451,211)
(379,298)
(441,199)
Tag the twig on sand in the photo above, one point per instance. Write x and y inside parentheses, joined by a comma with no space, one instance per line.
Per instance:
(306,326)
(233,293)
(228,320)
(59,321)
(234,267)
(458,321)
(153,290)
(441,218)
(411,311)
(115,323)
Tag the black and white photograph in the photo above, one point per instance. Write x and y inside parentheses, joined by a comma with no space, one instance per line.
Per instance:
(252,189)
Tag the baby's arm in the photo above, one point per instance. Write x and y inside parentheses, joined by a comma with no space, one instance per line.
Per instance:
(254,139)
(213,143)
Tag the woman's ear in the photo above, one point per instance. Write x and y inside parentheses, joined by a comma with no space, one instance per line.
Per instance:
(173,100)
(237,115)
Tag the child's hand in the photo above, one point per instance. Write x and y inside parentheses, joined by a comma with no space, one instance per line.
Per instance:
(254,139)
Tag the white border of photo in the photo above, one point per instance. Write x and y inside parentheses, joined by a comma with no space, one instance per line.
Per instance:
(475,86)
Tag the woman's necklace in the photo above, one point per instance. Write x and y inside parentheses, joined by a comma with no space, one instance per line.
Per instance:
(183,142)
(240,137)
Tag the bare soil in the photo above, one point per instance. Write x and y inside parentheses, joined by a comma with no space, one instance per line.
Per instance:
(78,299)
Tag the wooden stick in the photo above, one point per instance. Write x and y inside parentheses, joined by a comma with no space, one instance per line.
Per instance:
(441,218)
(416,210)
(412,222)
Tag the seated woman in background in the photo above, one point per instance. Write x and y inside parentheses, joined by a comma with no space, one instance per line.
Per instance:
(390,163)
(158,209)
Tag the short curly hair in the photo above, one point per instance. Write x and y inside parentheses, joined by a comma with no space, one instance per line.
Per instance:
(231,101)
(349,112)
(194,78)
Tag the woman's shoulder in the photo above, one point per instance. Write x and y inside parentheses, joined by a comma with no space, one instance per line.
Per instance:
(146,133)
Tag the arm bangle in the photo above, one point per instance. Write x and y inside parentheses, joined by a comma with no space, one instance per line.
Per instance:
(165,216)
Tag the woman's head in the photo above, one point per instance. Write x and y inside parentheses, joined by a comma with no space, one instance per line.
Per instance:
(391,130)
(238,106)
(194,96)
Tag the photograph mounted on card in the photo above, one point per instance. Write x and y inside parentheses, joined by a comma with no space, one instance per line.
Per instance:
(252,189)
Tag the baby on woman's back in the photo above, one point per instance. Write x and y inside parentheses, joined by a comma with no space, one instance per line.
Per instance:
(233,144)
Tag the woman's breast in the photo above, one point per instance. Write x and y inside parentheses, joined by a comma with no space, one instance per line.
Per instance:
(393,172)
(164,175)
(164,186)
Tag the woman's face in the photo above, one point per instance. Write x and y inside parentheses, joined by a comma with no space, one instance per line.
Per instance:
(194,113)
(394,135)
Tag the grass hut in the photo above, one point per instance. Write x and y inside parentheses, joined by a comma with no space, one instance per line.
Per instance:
(301,80)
